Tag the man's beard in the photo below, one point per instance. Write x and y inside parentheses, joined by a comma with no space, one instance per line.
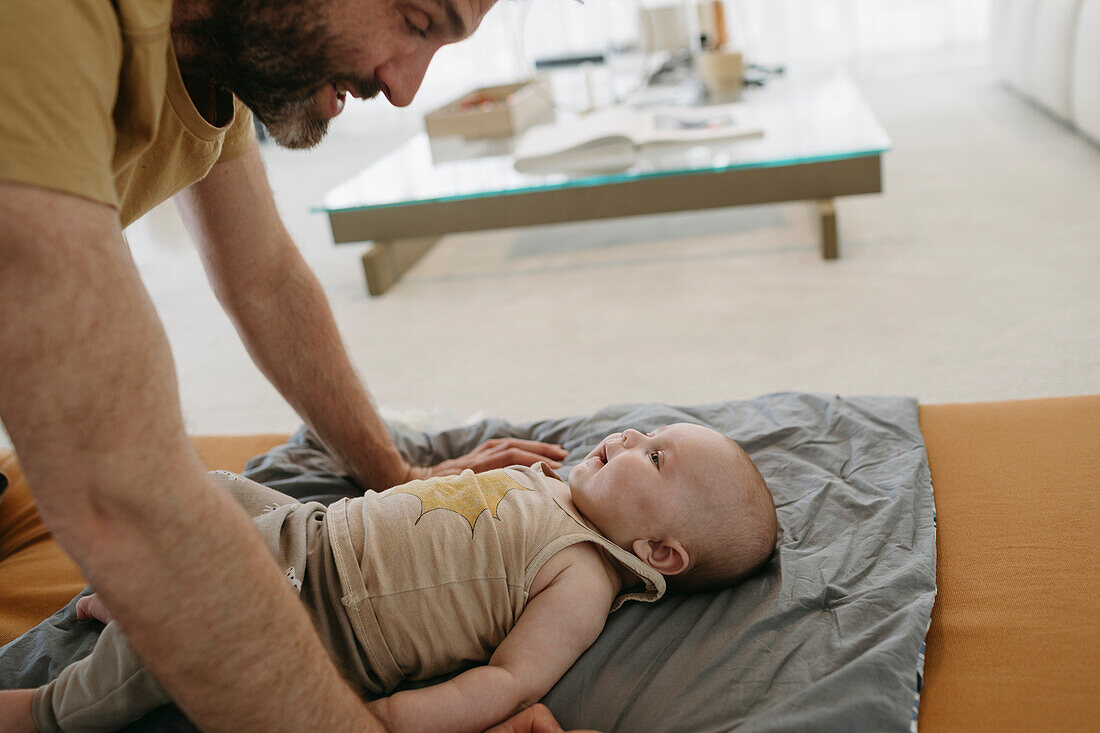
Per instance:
(274,57)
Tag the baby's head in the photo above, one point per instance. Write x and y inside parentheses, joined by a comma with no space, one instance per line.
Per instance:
(685,499)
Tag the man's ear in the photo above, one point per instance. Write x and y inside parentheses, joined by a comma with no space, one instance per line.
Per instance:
(668,557)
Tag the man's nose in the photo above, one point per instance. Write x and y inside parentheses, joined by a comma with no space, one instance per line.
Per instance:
(403,76)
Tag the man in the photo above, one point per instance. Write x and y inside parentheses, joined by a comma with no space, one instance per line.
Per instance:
(109,107)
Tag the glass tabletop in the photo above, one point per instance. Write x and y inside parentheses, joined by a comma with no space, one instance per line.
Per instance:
(806,119)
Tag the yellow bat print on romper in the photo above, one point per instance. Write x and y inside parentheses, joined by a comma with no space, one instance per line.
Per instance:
(468,495)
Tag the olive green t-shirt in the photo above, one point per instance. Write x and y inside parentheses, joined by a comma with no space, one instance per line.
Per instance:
(92,103)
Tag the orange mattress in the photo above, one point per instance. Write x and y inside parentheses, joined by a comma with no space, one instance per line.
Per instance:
(1015,637)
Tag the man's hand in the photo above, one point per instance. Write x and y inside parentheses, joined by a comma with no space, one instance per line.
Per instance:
(535,719)
(496,453)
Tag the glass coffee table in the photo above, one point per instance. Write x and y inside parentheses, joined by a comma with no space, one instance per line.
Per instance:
(821,141)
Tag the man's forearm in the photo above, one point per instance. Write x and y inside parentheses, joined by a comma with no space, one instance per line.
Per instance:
(88,395)
(283,317)
(287,325)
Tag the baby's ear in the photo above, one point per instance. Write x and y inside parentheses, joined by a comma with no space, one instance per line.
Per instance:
(668,557)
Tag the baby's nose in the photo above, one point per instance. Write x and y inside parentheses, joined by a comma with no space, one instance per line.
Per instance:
(631,437)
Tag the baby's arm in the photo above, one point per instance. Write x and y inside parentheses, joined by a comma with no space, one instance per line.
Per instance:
(556,626)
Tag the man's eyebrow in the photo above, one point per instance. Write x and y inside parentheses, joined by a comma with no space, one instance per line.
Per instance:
(458,25)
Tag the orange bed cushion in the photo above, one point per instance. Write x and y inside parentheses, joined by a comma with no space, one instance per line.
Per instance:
(1015,637)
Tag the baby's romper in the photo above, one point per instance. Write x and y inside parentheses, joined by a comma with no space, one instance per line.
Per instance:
(459,555)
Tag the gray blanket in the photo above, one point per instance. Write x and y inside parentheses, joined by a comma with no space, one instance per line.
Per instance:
(828,637)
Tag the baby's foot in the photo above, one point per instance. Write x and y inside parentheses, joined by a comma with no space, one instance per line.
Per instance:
(15,711)
(92,607)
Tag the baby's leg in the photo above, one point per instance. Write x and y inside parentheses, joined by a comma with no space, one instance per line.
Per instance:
(111,687)
(253,497)
(92,607)
(103,691)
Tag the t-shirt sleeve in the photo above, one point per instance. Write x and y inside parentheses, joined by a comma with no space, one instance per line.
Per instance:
(241,133)
(59,71)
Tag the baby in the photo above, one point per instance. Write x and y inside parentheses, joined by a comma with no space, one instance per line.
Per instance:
(512,570)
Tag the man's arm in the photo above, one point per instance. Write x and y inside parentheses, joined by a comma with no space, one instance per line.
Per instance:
(284,319)
(89,398)
(555,628)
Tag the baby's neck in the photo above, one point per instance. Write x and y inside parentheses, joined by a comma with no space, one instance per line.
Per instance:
(627,579)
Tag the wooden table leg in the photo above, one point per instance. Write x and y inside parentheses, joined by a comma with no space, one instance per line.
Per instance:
(830,247)
(385,261)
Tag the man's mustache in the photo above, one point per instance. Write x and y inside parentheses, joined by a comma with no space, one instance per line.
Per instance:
(364,88)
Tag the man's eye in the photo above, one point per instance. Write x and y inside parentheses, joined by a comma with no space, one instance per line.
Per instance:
(415,29)
(656,458)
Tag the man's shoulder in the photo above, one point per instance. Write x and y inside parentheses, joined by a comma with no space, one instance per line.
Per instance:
(76,51)
(86,23)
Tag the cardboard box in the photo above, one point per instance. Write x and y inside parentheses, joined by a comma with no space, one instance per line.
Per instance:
(498,111)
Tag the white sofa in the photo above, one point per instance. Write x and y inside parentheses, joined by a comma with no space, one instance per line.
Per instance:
(1049,51)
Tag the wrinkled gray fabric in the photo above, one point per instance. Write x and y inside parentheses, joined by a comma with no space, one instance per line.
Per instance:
(827,637)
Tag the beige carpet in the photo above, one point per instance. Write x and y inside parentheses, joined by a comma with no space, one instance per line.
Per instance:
(973,277)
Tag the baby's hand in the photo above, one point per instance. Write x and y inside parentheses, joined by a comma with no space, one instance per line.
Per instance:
(91,607)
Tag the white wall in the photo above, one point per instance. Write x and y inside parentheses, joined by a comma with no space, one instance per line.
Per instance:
(853,30)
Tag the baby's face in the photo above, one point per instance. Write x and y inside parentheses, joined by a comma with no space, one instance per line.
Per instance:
(636,485)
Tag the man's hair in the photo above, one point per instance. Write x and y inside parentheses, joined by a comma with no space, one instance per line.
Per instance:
(728,546)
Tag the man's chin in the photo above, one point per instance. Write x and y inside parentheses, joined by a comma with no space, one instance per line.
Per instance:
(298,134)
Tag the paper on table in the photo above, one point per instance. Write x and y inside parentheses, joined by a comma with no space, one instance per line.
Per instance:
(610,138)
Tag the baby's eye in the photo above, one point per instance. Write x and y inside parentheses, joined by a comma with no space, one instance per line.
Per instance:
(656,458)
